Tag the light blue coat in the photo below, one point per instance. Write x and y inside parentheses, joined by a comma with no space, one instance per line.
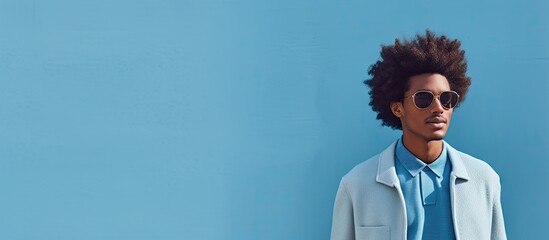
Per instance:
(369,203)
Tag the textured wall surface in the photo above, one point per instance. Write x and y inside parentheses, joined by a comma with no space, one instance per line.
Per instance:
(235,119)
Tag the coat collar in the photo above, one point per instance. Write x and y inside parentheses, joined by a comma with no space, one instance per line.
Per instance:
(386,172)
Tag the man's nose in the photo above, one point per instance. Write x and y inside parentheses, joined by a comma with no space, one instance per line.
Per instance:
(436,107)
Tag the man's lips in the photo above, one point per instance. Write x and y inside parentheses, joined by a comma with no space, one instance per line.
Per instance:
(435,120)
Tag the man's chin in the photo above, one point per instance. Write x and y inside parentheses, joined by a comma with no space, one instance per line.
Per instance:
(437,136)
(436,139)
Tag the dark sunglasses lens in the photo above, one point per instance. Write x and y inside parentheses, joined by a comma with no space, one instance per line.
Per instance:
(448,99)
(423,99)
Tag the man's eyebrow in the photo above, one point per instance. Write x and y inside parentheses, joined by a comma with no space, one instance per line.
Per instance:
(429,90)
(423,89)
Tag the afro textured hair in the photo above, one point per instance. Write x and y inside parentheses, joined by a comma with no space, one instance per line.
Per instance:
(425,54)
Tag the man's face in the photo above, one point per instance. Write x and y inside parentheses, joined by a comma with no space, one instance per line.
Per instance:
(428,124)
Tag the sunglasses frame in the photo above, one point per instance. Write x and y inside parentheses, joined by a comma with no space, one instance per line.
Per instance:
(413,96)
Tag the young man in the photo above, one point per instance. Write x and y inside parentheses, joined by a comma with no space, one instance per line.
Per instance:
(419,187)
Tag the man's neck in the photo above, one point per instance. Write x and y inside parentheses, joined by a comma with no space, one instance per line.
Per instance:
(426,151)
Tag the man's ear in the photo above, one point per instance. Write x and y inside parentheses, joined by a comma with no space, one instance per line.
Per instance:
(396,108)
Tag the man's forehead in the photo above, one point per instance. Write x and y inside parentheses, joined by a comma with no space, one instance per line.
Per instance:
(429,82)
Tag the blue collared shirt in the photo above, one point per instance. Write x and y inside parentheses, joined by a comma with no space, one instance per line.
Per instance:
(426,189)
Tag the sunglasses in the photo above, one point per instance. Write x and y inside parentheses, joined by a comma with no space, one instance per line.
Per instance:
(423,99)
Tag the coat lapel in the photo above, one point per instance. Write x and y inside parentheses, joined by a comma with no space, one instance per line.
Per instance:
(458,172)
(458,168)
(386,172)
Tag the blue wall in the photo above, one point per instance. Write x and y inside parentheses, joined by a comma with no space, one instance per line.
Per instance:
(236,119)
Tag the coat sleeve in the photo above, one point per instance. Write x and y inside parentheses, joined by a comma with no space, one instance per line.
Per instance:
(498,226)
(343,220)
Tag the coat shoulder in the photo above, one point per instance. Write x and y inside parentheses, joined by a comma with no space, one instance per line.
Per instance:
(478,168)
(362,173)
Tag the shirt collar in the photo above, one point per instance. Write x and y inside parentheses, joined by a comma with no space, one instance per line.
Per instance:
(413,165)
